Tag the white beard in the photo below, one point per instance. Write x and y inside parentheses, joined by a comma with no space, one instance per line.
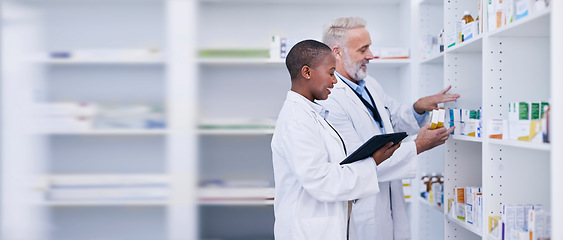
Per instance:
(355,70)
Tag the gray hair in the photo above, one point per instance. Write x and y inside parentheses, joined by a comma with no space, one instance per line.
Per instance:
(334,33)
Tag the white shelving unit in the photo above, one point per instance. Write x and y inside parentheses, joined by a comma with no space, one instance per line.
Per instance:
(35,28)
(489,71)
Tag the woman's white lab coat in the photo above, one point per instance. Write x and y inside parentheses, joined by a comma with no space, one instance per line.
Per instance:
(311,188)
(372,217)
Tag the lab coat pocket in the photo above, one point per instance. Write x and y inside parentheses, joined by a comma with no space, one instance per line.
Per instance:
(319,228)
(362,222)
(363,211)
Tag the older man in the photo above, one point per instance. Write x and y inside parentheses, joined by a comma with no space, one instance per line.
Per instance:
(359,109)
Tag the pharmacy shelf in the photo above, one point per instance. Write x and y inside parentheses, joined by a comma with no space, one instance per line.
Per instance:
(239,61)
(430,205)
(141,203)
(465,225)
(236,196)
(522,144)
(436,59)
(109,132)
(479,68)
(236,126)
(536,25)
(103,62)
(466,138)
(236,202)
(235,131)
(471,46)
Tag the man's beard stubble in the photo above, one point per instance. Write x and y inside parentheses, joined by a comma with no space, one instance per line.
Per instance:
(355,70)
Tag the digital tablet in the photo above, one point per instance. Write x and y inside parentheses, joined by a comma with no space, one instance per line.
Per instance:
(373,144)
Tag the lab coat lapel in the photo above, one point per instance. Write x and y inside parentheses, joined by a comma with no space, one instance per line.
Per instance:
(329,129)
(321,121)
(351,95)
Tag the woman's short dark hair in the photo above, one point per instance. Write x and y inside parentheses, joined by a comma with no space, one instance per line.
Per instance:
(305,53)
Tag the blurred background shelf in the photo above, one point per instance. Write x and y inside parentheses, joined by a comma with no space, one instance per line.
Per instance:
(142,62)
(109,132)
(431,205)
(145,203)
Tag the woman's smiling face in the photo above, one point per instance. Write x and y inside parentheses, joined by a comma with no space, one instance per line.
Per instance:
(322,77)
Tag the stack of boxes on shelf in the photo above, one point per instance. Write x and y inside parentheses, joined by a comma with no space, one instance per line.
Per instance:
(467,205)
(524,121)
(517,222)
(75,116)
(466,28)
(527,121)
(467,122)
(106,188)
(503,12)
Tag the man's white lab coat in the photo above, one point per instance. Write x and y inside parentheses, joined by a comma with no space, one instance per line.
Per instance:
(311,188)
(372,216)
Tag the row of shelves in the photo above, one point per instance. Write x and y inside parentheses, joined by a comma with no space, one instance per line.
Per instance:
(508,64)
(206,61)
(242,131)
(217,200)
(163,132)
(537,25)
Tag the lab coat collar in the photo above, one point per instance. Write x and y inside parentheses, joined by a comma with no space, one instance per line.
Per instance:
(319,112)
(314,106)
